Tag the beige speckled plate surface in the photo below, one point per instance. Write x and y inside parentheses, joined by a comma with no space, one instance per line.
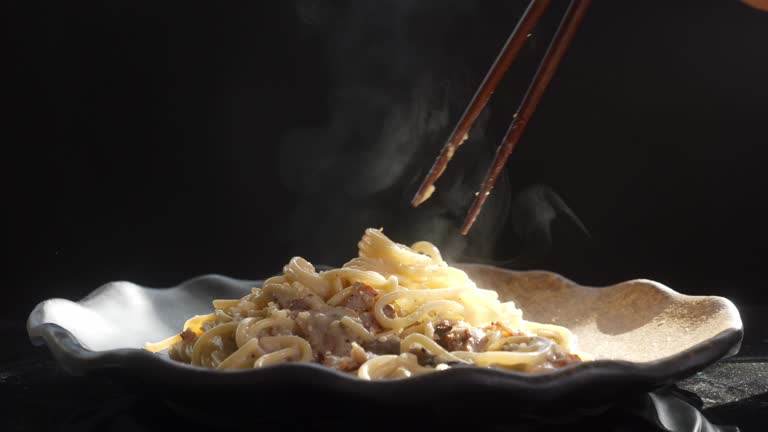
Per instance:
(635,321)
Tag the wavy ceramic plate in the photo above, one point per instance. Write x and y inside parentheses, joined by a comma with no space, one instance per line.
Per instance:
(643,335)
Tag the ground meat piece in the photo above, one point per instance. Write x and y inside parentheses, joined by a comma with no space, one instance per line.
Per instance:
(324,331)
(442,329)
(390,345)
(299,304)
(284,296)
(344,364)
(424,357)
(361,299)
(188,335)
(370,323)
(455,339)
(389,311)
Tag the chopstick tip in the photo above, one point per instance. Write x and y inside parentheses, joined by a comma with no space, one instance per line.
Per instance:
(423,194)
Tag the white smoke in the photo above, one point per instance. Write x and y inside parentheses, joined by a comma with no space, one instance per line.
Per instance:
(398,85)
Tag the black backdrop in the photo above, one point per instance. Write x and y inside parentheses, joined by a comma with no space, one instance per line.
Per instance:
(155,141)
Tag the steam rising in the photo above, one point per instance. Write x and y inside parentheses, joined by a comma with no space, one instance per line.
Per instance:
(397,87)
(531,217)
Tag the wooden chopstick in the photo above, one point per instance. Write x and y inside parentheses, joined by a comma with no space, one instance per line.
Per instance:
(511,48)
(557,48)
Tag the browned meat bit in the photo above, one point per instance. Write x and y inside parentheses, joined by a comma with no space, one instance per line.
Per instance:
(323,329)
(442,329)
(299,305)
(319,356)
(390,345)
(370,323)
(344,364)
(361,299)
(455,338)
(286,296)
(424,357)
(389,311)
(187,335)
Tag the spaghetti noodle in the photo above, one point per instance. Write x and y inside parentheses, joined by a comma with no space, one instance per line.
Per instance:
(392,312)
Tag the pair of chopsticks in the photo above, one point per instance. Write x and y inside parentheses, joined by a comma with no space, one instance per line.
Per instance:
(557,48)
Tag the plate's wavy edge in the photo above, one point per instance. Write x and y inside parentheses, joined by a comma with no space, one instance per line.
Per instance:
(78,360)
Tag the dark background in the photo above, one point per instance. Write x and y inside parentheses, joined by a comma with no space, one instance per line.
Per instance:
(156,141)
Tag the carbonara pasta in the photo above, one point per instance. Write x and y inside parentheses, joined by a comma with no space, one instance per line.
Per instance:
(392,312)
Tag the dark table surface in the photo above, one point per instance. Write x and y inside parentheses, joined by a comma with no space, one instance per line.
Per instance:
(37,395)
